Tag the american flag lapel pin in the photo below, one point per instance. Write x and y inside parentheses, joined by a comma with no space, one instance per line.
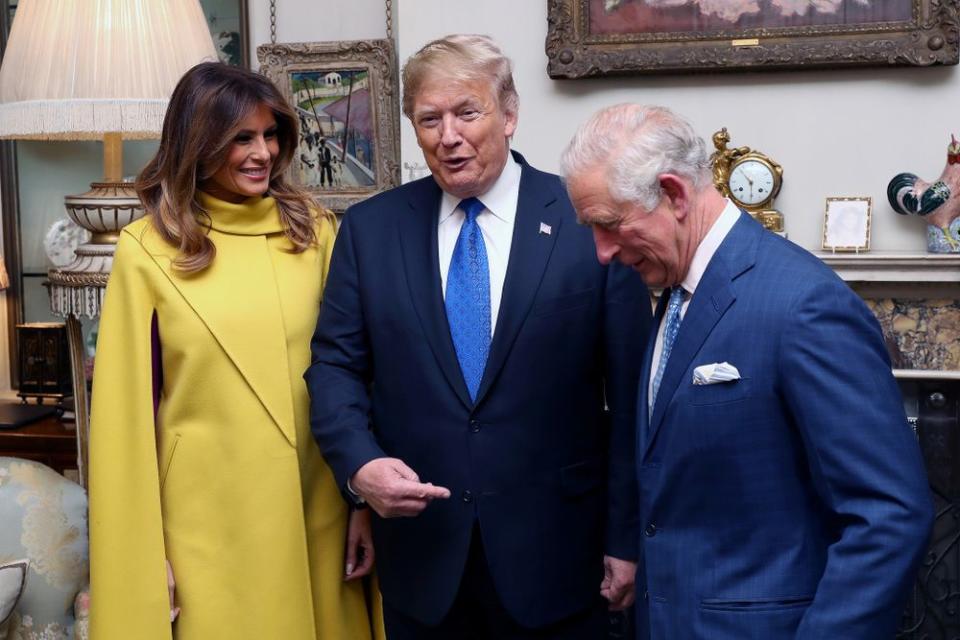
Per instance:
(545,229)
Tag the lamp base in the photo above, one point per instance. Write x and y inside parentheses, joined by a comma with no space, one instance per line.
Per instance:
(105,209)
(77,289)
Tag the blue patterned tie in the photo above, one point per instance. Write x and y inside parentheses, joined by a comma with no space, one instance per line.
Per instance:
(671,328)
(468,298)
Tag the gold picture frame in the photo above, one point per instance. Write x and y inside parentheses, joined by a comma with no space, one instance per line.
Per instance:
(624,37)
(846,224)
(346,97)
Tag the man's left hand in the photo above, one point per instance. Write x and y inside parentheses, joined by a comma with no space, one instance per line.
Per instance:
(618,582)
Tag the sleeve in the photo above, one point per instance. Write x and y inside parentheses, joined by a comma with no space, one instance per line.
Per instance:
(128,581)
(341,367)
(864,461)
(627,321)
(326,236)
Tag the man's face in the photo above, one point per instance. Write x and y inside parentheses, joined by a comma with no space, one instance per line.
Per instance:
(463,133)
(649,242)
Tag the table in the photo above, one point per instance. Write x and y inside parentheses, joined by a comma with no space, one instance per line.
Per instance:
(47,440)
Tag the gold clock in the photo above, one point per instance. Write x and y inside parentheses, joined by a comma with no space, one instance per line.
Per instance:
(750,178)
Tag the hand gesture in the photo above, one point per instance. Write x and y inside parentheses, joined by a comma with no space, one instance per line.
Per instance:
(392,489)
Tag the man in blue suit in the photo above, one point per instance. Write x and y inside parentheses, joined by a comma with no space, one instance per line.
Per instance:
(461,366)
(782,493)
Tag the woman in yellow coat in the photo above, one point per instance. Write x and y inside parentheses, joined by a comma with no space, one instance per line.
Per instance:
(200,448)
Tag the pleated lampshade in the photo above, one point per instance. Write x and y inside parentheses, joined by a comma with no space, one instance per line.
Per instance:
(75,69)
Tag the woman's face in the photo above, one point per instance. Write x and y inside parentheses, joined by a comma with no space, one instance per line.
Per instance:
(250,157)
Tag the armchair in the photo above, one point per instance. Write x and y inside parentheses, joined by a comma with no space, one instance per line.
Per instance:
(44,520)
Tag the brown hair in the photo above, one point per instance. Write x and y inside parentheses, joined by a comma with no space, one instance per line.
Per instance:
(204,115)
(461,58)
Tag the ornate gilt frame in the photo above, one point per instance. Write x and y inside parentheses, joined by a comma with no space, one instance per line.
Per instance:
(278,61)
(930,38)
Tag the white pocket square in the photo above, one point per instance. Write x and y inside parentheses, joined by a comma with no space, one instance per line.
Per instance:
(714,373)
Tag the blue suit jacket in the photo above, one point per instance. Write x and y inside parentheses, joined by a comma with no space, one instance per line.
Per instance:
(793,502)
(549,476)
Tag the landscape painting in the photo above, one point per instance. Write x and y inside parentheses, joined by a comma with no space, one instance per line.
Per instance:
(701,16)
(337,142)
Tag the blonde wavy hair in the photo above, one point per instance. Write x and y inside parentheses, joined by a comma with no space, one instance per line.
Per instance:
(204,115)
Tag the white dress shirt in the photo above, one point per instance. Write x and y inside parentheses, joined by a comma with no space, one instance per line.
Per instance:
(496,224)
(698,266)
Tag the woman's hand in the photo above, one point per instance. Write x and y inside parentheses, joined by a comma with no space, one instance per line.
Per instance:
(359,545)
(171,588)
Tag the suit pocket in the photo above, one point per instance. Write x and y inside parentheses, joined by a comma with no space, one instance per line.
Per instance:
(565,302)
(758,605)
(581,478)
(720,393)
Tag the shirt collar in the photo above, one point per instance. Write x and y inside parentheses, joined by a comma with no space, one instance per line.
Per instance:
(497,197)
(709,245)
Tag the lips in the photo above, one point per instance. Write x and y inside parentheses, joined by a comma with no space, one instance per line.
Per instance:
(455,163)
(258,173)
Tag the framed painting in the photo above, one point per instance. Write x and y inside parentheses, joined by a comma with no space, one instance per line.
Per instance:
(606,37)
(846,224)
(345,95)
(228,22)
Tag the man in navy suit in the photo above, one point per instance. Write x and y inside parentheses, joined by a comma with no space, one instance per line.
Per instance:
(782,493)
(462,363)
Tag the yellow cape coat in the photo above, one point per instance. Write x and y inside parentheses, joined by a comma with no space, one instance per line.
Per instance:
(227,482)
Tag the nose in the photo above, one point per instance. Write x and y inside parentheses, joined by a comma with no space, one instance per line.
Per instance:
(449,131)
(259,148)
(607,248)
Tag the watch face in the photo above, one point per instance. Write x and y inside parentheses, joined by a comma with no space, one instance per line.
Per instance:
(751,182)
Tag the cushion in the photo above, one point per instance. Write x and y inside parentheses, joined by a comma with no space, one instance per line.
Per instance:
(13,577)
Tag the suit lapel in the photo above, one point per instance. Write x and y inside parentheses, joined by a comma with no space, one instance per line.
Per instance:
(418,243)
(714,295)
(529,254)
(254,342)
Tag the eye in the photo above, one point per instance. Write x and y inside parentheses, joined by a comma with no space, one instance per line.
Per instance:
(242,138)
(270,133)
(470,113)
(428,121)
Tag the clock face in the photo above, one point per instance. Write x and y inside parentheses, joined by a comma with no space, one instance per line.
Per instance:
(751,182)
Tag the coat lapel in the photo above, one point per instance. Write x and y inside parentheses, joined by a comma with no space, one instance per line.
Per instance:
(714,295)
(418,243)
(529,254)
(254,342)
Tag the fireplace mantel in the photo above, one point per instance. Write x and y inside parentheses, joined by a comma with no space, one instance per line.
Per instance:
(894,266)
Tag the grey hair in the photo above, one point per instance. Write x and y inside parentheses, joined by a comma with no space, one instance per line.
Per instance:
(460,58)
(634,144)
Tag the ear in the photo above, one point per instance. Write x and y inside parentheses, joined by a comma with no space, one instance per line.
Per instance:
(509,123)
(676,191)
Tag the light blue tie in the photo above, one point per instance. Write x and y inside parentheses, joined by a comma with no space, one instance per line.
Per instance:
(468,298)
(670,331)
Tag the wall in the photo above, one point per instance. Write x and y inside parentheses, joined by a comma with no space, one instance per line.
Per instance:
(842,132)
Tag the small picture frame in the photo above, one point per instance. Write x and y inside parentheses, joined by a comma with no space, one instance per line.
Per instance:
(345,95)
(846,224)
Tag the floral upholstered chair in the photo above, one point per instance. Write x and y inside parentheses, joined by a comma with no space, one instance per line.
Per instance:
(43,519)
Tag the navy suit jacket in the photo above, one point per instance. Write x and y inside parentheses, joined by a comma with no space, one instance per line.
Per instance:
(547,473)
(791,503)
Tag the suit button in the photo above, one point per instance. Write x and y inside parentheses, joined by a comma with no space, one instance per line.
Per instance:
(646,595)
(474,426)
(650,531)
(467,496)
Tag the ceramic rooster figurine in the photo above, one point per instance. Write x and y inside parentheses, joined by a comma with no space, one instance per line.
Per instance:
(938,203)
